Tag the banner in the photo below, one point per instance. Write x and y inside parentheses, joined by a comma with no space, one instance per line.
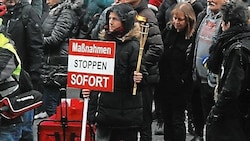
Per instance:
(91,64)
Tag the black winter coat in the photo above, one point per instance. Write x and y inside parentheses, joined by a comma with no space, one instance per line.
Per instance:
(25,30)
(60,25)
(153,48)
(175,68)
(230,58)
(120,109)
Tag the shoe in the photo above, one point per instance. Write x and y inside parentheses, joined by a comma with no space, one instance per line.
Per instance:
(197,138)
(159,129)
(41,115)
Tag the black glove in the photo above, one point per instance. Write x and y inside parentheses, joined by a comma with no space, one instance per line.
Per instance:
(214,116)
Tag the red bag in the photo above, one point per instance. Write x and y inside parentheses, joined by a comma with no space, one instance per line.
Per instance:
(66,123)
(12,107)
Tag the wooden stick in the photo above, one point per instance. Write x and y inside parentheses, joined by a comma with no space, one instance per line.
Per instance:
(143,37)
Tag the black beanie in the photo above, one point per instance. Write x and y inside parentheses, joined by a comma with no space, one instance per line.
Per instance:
(127,15)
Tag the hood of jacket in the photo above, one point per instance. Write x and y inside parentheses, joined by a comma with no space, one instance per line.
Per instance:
(223,42)
(133,33)
(233,34)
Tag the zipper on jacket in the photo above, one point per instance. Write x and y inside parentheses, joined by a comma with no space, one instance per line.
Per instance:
(98,101)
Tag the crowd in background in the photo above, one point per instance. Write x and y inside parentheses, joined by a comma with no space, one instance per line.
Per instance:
(195,65)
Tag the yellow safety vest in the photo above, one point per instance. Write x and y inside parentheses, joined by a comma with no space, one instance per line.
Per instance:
(4,43)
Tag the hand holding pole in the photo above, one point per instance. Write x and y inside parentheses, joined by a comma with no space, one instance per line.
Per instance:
(144,27)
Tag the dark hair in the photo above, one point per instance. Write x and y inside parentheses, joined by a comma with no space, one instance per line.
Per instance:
(126,13)
(235,12)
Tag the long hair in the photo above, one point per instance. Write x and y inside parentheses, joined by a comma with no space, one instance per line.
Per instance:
(190,17)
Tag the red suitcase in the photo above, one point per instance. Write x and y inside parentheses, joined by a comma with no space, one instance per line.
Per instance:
(65,125)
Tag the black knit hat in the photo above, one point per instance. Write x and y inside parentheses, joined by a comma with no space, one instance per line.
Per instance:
(126,13)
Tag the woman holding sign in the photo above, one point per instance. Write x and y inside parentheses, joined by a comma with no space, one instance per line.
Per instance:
(118,114)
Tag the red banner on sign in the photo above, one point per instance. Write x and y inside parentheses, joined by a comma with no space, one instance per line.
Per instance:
(92,48)
(91,81)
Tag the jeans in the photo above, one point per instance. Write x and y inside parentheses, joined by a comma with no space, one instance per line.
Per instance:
(11,132)
(51,98)
(27,126)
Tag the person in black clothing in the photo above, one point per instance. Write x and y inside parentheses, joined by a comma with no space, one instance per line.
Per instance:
(175,71)
(164,16)
(10,69)
(229,57)
(152,51)
(23,24)
(59,26)
(119,113)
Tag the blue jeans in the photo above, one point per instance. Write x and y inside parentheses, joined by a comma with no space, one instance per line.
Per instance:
(11,132)
(27,126)
(51,98)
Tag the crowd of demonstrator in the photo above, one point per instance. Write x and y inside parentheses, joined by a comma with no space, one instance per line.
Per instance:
(196,60)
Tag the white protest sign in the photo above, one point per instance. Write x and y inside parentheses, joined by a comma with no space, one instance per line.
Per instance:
(91,64)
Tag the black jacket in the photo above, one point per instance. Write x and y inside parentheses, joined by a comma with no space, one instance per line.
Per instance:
(175,68)
(120,108)
(60,25)
(27,37)
(154,46)
(231,61)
